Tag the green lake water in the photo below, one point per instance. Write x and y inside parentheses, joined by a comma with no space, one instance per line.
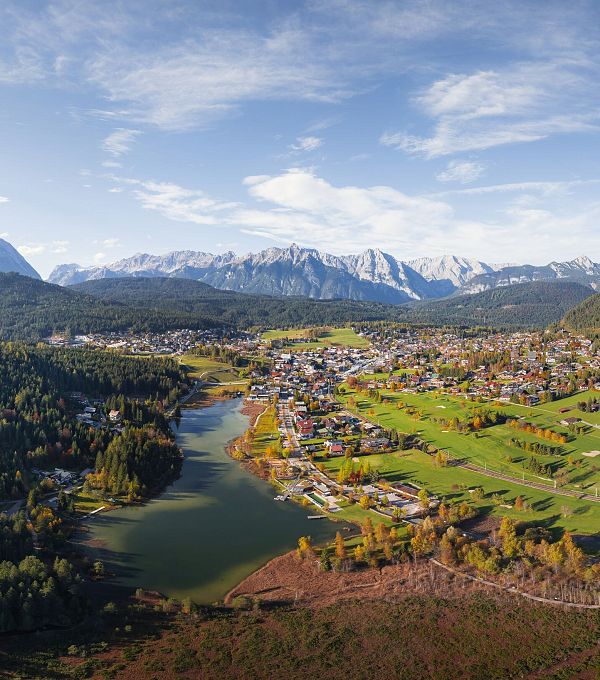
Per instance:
(211,528)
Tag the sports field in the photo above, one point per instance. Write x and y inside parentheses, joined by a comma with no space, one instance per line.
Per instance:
(208,369)
(345,337)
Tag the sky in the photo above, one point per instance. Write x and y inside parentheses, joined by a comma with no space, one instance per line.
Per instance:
(421,128)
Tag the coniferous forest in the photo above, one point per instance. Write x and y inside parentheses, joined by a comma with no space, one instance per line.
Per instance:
(42,390)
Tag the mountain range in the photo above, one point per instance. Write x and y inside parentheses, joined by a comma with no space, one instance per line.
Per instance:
(372,275)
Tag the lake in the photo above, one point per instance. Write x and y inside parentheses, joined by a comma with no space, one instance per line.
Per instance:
(211,528)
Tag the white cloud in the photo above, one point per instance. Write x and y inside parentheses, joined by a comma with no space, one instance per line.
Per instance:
(59,247)
(302,207)
(31,249)
(177,203)
(4,234)
(308,209)
(198,81)
(461,171)
(99,257)
(3,199)
(478,111)
(120,141)
(115,190)
(306,144)
(545,188)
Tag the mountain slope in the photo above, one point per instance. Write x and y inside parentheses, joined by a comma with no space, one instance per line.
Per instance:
(230,308)
(31,309)
(450,271)
(183,264)
(372,275)
(12,261)
(533,305)
(526,305)
(582,269)
(305,271)
(585,316)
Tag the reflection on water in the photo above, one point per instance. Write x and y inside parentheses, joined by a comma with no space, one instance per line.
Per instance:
(215,525)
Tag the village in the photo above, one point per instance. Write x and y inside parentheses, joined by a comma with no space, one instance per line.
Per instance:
(330,438)
(334,440)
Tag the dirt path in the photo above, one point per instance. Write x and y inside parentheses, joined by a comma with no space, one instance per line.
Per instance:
(514,591)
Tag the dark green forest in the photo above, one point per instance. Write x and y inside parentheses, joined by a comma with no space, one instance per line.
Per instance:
(42,389)
(38,427)
(525,305)
(585,316)
(31,309)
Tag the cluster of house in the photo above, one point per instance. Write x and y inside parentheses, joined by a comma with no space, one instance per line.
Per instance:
(524,366)
(175,342)
(92,412)
(534,364)
(61,477)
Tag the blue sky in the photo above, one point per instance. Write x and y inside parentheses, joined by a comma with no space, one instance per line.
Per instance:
(421,128)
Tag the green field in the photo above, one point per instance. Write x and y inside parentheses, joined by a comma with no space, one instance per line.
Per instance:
(571,403)
(452,484)
(330,336)
(266,433)
(489,448)
(86,504)
(208,369)
(490,445)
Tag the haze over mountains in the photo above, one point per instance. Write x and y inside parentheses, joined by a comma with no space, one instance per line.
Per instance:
(371,275)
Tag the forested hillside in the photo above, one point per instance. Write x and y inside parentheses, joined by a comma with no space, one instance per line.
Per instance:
(38,427)
(232,309)
(526,305)
(31,309)
(585,316)
(42,391)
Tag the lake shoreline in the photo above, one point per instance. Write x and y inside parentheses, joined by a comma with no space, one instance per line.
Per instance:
(215,505)
(291,580)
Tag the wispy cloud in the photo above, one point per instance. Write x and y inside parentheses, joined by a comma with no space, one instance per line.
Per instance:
(120,141)
(109,243)
(59,247)
(478,111)
(175,202)
(306,144)
(199,81)
(3,199)
(461,171)
(544,188)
